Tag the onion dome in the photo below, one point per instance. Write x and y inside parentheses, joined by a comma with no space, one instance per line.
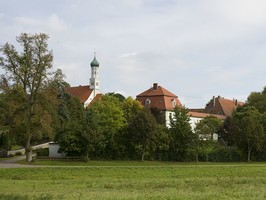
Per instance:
(95,63)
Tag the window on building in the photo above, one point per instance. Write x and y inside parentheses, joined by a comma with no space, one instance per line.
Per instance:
(147,102)
(173,103)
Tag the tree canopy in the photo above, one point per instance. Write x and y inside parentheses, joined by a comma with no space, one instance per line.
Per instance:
(107,118)
(258,100)
(27,84)
(180,134)
(248,129)
(143,129)
(204,135)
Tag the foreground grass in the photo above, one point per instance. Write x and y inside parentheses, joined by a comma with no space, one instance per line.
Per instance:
(136,181)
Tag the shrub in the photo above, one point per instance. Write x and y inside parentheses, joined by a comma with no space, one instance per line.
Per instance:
(42,152)
(18,153)
(225,154)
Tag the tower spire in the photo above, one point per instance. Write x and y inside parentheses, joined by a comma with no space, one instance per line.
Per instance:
(94,80)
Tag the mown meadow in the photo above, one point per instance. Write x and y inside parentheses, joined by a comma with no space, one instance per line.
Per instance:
(148,180)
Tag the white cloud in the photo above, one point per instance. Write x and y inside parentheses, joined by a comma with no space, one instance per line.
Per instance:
(51,23)
(242,11)
(128,55)
(56,24)
(135,3)
(196,49)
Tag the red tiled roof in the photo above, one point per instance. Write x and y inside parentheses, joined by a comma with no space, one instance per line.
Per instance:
(222,106)
(160,91)
(159,98)
(200,110)
(229,106)
(81,92)
(203,115)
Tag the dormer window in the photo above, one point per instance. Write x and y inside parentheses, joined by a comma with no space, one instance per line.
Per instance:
(147,102)
(173,103)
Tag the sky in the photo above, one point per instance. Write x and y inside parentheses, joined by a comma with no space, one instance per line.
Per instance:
(196,49)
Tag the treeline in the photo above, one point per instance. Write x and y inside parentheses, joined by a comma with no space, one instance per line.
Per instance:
(123,129)
(35,108)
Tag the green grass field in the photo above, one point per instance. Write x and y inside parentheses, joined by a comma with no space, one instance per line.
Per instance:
(135,180)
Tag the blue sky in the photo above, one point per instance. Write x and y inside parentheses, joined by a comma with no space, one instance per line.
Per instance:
(195,49)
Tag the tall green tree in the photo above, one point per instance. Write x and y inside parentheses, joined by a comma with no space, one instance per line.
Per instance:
(204,132)
(30,73)
(158,114)
(180,135)
(89,138)
(258,100)
(249,130)
(161,140)
(117,95)
(143,128)
(108,120)
(130,108)
(72,126)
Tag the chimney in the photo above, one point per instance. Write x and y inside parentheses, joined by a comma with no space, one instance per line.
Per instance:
(213,100)
(236,102)
(155,86)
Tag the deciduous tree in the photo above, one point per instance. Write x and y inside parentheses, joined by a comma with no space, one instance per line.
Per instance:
(143,129)
(204,131)
(258,100)
(108,119)
(72,125)
(29,72)
(249,131)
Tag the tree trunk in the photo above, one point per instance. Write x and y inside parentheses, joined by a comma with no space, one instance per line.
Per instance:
(28,151)
(207,157)
(87,155)
(28,155)
(249,151)
(197,152)
(143,155)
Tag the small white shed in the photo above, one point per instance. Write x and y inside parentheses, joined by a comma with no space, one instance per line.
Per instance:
(53,150)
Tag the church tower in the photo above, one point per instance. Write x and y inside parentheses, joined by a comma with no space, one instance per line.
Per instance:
(87,93)
(94,80)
